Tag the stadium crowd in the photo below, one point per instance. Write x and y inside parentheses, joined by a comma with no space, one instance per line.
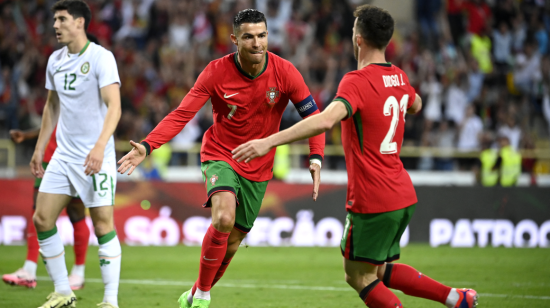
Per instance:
(481,67)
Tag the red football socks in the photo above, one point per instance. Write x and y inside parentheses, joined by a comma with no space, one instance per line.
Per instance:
(412,282)
(221,270)
(214,247)
(81,238)
(32,242)
(376,295)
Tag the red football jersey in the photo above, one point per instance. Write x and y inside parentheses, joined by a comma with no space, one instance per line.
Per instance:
(377,98)
(50,148)
(245,108)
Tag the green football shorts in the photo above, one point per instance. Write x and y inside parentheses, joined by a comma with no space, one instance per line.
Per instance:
(37,181)
(374,238)
(220,176)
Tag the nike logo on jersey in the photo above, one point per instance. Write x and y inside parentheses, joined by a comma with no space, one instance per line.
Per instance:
(209,259)
(228,96)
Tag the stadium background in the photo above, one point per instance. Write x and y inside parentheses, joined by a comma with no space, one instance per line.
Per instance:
(481,67)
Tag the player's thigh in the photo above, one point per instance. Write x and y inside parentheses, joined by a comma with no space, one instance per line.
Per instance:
(37,182)
(372,238)
(76,209)
(222,185)
(103,219)
(95,190)
(250,198)
(359,274)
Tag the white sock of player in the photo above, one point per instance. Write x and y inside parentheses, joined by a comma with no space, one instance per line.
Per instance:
(30,267)
(78,270)
(452,298)
(109,263)
(202,294)
(190,298)
(53,253)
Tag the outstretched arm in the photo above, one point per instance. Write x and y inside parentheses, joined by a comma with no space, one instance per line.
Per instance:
(19,136)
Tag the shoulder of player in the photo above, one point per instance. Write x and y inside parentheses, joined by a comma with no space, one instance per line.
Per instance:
(58,54)
(98,51)
(281,62)
(220,64)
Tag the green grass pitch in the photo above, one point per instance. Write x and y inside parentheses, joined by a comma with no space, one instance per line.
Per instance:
(293,277)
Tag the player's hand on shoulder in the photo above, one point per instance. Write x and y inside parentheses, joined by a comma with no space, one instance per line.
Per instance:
(17,135)
(36,164)
(250,150)
(131,160)
(94,160)
(315,171)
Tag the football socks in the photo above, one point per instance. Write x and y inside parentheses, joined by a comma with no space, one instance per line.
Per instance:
(53,254)
(109,263)
(32,244)
(412,282)
(214,247)
(81,238)
(377,295)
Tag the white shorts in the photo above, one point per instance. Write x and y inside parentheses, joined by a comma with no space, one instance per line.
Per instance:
(65,178)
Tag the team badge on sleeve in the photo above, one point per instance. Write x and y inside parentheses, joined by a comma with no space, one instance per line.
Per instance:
(213,179)
(85,68)
(272,94)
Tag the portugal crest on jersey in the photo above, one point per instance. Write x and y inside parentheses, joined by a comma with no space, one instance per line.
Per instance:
(272,94)
(213,179)
(85,68)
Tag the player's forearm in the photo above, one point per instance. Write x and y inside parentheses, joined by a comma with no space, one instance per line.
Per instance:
(49,120)
(317,143)
(109,126)
(31,133)
(309,127)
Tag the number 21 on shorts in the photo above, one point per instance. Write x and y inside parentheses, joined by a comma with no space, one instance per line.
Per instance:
(392,107)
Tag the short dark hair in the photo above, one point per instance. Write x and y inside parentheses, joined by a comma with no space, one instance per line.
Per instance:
(375,25)
(248,16)
(75,8)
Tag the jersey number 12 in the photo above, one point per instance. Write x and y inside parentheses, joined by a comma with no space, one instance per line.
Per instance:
(392,107)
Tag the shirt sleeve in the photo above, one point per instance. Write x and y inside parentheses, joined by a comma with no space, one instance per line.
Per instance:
(348,93)
(50,85)
(305,104)
(107,72)
(176,120)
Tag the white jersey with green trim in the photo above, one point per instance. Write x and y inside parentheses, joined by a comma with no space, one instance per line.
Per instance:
(77,79)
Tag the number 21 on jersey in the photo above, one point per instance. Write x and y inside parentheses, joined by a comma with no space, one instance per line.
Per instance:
(392,108)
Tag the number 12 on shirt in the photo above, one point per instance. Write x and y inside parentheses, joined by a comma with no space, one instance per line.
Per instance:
(392,107)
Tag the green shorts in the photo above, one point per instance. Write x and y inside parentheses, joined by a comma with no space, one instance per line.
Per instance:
(374,238)
(37,181)
(220,176)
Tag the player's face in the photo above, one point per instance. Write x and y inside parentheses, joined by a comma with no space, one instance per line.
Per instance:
(251,41)
(66,27)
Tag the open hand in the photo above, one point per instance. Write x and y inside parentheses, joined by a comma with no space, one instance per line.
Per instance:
(17,136)
(133,158)
(315,171)
(250,150)
(36,164)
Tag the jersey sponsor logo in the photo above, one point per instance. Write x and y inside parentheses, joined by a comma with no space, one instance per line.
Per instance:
(228,96)
(85,68)
(213,179)
(272,94)
(393,80)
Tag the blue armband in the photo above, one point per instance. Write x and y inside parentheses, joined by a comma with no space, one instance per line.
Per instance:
(306,107)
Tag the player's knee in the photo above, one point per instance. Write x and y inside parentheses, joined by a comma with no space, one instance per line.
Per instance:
(102,228)
(42,223)
(224,222)
(351,280)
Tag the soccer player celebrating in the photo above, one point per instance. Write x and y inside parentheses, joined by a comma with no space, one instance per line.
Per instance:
(84,96)
(26,276)
(249,90)
(371,103)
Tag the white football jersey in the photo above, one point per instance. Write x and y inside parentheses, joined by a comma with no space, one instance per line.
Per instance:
(77,79)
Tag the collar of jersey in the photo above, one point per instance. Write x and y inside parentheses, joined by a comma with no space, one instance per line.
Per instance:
(83,49)
(387,64)
(247,75)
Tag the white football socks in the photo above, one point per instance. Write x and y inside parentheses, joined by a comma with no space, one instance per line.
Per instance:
(202,294)
(452,298)
(53,254)
(78,270)
(30,267)
(190,298)
(109,263)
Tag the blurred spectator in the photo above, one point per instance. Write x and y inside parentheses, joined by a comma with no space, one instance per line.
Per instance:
(469,131)
(511,131)
(444,139)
